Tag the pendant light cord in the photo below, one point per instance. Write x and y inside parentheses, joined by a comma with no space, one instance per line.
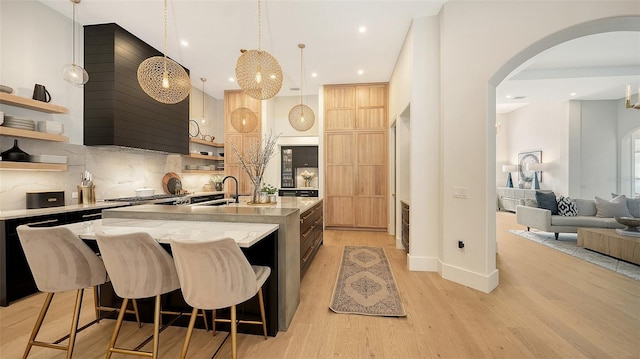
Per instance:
(301,77)
(259,27)
(73,35)
(203,80)
(165,37)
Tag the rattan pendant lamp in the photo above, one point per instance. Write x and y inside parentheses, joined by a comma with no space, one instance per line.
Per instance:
(163,79)
(301,117)
(74,73)
(258,73)
(244,120)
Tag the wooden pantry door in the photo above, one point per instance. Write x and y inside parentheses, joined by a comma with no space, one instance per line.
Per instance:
(340,180)
(371,180)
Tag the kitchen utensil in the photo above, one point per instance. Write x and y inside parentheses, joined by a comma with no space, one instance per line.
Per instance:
(15,154)
(172,183)
(40,93)
(86,194)
(145,192)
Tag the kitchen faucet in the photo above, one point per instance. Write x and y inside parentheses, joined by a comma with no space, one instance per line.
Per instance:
(235,179)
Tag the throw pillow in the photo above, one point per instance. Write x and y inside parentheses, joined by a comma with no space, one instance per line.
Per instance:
(547,200)
(634,206)
(617,207)
(567,207)
(530,202)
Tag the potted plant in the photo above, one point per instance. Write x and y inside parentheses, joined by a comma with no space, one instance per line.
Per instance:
(254,161)
(270,191)
(217,182)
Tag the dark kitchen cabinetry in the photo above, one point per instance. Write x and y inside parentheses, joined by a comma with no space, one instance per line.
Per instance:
(311,231)
(305,156)
(116,109)
(16,280)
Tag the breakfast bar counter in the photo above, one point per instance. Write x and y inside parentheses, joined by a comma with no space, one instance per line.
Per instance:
(285,213)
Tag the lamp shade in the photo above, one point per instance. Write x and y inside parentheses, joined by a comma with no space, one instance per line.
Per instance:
(509,168)
(243,120)
(535,167)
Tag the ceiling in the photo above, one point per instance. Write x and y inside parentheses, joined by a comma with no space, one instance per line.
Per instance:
(217,30)
(594,67)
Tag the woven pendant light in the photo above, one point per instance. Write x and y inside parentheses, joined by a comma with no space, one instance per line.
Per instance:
(258,73)
(301,117)
(163,79)
(73,73)
(244,120)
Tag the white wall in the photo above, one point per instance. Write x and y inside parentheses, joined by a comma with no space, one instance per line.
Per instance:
(480,44)
(35,45)
(213,113)
(541,127)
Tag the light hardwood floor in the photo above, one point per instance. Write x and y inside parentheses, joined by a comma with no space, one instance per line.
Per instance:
(548,305)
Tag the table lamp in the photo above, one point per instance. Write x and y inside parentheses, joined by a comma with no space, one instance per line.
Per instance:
(508,169)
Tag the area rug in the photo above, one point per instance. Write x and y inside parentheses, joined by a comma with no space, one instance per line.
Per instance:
(365,284)
(568,243)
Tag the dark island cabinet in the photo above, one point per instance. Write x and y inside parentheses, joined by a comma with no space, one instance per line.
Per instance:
(16,280)
(311,231)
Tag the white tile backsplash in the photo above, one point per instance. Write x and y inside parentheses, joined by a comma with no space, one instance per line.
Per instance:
(117,172)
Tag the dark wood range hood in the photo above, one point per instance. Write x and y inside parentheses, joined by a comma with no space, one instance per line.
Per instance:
(116,110)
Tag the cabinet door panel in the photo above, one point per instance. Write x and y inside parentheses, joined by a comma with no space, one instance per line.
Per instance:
(337,119)
(340,212)
(371,213)
(340,180)
(339,149)
(371,181)
(339,97)
(371,119)
(371,95)
(236,141)
(372,147)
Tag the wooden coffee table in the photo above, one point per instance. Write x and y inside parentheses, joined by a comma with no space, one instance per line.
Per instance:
(607,241)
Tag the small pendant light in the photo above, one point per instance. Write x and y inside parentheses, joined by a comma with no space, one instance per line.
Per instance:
(301,117)
(74,73)
(258,73)
(163,79)
(203,118)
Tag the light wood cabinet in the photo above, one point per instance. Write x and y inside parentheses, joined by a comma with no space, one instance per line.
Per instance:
(356,153)
(242,141)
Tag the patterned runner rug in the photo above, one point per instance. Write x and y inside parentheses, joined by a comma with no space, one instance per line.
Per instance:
(365,284)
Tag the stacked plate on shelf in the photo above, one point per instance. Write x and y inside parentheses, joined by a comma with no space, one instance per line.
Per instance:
(49,159)
(20,123)
(56,128)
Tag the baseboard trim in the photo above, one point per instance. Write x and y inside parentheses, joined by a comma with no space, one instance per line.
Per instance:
(421,263)
(482,282)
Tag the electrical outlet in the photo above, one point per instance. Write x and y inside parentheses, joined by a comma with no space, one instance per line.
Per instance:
(461,244)
(74,195)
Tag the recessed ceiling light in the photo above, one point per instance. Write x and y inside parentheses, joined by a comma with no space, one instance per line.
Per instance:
(360,72)
(362,29)
(572,94)
(314,75)
(231,79)
(184,43)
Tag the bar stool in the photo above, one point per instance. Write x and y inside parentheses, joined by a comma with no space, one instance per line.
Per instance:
(59,262)
(215,274)
(139,268)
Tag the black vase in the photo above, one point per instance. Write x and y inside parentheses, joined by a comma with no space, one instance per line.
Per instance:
(15,154)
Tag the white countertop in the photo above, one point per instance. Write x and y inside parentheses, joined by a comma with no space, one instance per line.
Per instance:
(245,234)
(303,203)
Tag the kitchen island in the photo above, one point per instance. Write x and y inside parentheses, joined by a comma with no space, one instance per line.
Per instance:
(285,213)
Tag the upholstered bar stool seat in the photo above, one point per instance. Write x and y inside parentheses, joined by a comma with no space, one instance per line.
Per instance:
(215,274)
(138,268)
(59,262)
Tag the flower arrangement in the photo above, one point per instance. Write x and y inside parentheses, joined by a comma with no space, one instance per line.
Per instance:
(307,176)
(255,159)
(216,179)
(269,188)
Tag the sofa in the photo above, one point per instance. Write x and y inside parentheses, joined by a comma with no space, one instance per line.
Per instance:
(596,212)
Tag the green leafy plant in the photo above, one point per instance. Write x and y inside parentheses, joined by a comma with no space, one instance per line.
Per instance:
(269,188)
(216,179)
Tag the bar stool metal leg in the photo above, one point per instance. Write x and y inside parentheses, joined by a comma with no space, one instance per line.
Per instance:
(264,322)
(74,323)
(156,328)
(116,330)
(187,339)
(36,328)
(234,333)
